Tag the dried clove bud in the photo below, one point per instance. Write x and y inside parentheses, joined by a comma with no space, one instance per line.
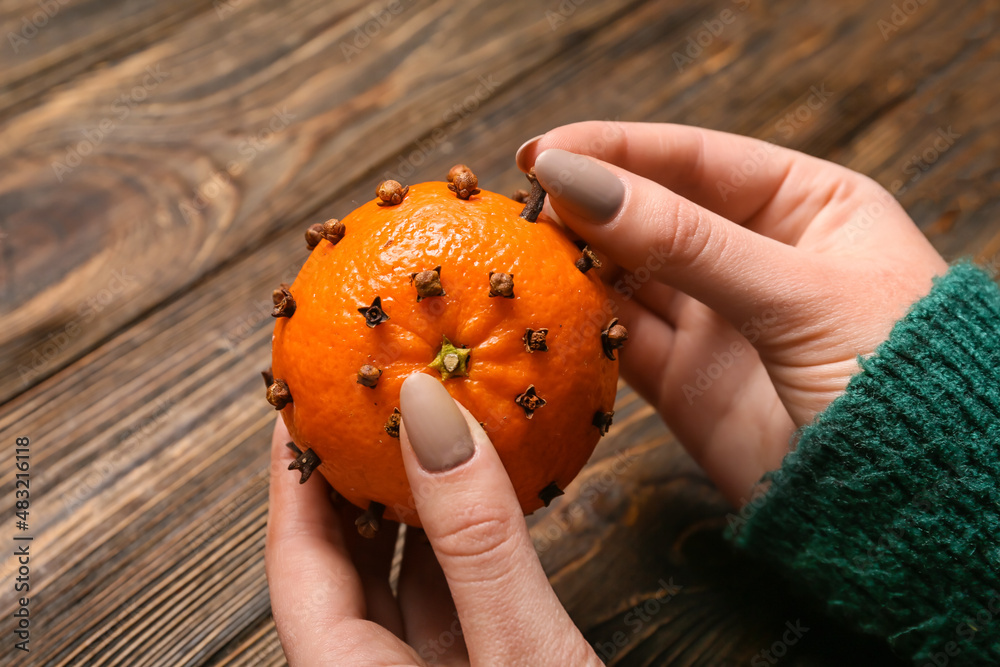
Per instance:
(613,338)
(550,493)
(279,395)
(530,401)
(374,315)
(428,283)
(305,462)
(392,424)
(368,375)
(520,196)
(333,231)
(588,260)
(368,523)
(284,304)
(534,340)
(536,198)
(502,284)
(279,294)
(456,170)
(465,184)
(602,420)
(314,235)
(391,193)
(268,377)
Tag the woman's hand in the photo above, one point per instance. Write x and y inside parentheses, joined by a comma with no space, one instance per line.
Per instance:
(750,277)
(474,594)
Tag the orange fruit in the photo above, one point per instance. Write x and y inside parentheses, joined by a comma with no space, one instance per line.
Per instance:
(431,261)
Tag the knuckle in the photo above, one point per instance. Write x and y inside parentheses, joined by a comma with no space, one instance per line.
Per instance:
(681,232)
(475,535)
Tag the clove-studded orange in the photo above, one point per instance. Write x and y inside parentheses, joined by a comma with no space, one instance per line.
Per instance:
(462,284)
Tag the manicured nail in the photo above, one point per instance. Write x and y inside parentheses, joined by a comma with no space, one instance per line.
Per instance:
(437,430)
(580,184)
(521,155)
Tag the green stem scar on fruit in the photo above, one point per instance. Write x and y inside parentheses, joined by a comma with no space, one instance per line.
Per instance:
(450,360)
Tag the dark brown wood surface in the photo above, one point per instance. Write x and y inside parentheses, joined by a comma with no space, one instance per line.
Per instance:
(161,160)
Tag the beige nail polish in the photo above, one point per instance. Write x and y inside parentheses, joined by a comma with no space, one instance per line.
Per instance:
(435,426)
(521,154)
(580,185)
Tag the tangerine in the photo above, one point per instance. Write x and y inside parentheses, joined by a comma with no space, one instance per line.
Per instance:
(451,281)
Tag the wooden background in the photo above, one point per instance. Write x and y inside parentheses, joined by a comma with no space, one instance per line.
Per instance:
(160,162)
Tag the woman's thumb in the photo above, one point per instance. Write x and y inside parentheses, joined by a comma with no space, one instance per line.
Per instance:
(471,515)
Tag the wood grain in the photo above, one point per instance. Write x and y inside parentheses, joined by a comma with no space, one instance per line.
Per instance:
(49,42)
(150,429)
(215,137)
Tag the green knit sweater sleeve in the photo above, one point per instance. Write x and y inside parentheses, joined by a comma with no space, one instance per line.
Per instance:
(888,509)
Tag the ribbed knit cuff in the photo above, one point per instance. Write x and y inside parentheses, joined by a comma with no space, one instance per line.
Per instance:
(889,507)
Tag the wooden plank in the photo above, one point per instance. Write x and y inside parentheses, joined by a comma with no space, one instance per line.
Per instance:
(205,143)
(49,42)
(256,647)
(151,447)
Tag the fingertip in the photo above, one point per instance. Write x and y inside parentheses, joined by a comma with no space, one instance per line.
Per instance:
(525,155)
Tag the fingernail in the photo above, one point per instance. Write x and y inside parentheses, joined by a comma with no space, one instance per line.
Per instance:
(521,154)
(437,430)
(580,184)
